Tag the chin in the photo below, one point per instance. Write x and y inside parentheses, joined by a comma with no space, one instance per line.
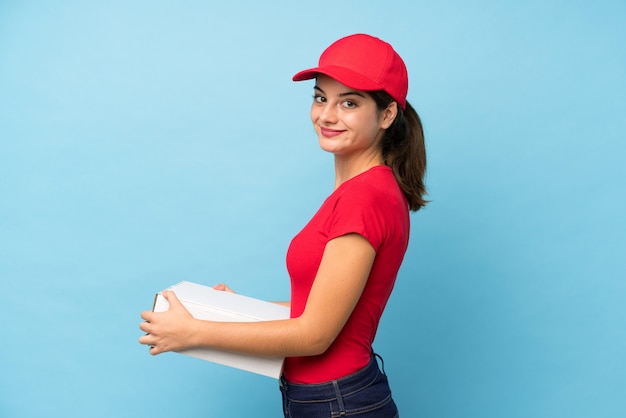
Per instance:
(325,146)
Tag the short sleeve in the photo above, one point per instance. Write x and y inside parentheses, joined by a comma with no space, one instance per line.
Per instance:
(360,209)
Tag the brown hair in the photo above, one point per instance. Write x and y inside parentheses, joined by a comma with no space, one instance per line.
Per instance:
(404,150)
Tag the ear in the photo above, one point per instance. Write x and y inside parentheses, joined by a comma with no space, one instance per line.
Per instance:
(388,115)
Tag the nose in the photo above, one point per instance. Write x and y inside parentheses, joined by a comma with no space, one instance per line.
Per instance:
(328,114)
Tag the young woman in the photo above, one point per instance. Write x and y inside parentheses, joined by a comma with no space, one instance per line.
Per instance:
(344,262)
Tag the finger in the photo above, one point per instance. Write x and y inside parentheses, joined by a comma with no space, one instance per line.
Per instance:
(147,315)
(223,288)
(145,326)
(147,339)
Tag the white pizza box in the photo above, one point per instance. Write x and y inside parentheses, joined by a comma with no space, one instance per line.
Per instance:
(204,302)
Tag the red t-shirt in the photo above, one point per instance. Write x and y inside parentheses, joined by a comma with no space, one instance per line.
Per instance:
(372,205)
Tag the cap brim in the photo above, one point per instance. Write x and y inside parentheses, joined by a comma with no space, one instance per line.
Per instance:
(344,75)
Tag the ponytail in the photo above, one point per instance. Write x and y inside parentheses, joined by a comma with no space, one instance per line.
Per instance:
(404,150)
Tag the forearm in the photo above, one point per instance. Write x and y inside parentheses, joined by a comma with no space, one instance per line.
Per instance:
(283,338)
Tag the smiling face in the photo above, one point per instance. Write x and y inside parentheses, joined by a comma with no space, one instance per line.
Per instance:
(347,121)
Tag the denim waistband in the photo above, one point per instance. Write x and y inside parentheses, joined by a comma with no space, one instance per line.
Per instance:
(327,391)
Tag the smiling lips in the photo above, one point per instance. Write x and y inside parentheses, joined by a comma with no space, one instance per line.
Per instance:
(330,133)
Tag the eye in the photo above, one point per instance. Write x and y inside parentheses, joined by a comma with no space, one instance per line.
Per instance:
(319,99)
(349,104)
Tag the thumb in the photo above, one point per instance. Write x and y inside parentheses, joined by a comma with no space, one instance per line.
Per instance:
(171,299)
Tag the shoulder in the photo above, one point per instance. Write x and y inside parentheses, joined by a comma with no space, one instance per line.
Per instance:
(372,205)
(376,186)
(374,194)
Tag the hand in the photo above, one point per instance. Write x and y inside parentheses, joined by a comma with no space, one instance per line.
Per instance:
(171,330)
(223,287)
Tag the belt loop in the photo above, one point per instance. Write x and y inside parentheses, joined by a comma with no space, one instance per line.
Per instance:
(382,362)
(342,408)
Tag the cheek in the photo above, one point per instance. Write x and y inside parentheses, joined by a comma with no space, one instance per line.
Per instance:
(314,114)
(371,131)
(364,126)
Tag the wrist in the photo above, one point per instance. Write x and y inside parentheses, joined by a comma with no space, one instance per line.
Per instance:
(202,332)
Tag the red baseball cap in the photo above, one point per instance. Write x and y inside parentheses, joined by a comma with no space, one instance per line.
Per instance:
(363,62)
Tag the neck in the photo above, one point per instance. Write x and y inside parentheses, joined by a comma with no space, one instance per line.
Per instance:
(345,169)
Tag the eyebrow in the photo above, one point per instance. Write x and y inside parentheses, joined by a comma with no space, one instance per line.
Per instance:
(348,93)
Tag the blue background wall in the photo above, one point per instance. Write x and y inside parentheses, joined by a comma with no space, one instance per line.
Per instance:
(147,142)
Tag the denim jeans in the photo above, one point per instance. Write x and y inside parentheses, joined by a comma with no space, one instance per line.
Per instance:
(362,394)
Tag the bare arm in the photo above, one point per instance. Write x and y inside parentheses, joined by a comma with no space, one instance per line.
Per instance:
(338,285)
